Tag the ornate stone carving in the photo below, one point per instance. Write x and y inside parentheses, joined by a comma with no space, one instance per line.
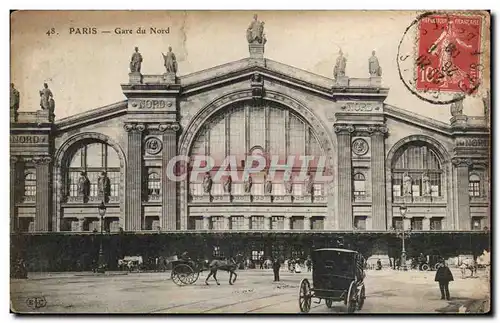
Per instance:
(340,65)
(457,107)
(47,99)
(309,185)
(140,127)
(136,61)
(461,162)
(83,185)
(268,186)
(169,126)
(426,183)
(360,147)
(373,66)
(344,128)
(153,145)
(376,130)
(41,160)
(359,107)
(104,186)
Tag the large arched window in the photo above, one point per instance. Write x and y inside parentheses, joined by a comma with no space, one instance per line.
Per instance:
(93,158)
(275,129)
(421,163)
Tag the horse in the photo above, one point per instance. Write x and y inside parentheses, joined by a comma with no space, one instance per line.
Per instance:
(225,265)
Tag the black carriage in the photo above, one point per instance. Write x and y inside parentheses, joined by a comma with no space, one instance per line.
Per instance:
(338,276)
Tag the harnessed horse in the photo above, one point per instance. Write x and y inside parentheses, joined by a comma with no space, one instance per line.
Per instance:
(225,265)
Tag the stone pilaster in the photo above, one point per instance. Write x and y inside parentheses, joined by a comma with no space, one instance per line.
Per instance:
(81,223)
(426,224)
(462,165)
(206,222)
(378,177)
(307,223)
(344,132)
(43,194)
(13,192)
(227,222)
(287,222)
(169,187)
(246,224)
(267,222)
(133,195)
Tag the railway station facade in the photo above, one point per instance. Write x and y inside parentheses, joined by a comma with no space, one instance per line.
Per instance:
(379,158)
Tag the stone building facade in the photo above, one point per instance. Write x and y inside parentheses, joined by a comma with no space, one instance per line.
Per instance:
(381,157)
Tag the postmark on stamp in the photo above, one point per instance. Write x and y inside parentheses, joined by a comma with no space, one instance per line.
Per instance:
(439,56)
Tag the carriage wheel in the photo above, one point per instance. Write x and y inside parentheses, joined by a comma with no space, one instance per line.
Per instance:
(329,303)
(361,298)
(180,274)
(436,266)
(193,277)
(305,296)
(425,267)
(351,298)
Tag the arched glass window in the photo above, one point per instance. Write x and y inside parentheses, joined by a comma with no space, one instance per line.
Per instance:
(154,185)
(422,165)
(359,184)
(94,158)
(30,185)
(474,185)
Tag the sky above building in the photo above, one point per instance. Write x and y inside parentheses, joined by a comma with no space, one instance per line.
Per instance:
(84,68)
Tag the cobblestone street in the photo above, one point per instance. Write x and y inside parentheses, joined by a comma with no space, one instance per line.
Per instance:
(387,291)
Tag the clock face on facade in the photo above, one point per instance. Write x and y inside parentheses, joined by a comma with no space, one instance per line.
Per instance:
(360,147)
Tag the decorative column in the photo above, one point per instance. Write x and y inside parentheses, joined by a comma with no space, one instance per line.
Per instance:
(206,222)
(462,165)
(81,224)
(378,177)
(169,187)
(43,196)
(307,223)
(344,132)
(426,224)
(133,196)
(13,192)
(246,224)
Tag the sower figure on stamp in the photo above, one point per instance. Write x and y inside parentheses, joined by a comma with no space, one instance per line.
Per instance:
(444,277)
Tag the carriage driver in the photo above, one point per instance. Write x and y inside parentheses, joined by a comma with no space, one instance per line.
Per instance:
(185,256)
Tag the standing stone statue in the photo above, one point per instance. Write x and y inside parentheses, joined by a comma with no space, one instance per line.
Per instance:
(207,183)
(339,69)
(373,66)
(308,184)
(46,98)
(83,185)
(426,184)
(136,61)
(407,184)
(287,177)
(486,104)
(104,186)
(457,107)
(170,61)
(248,184)
(268,186)
(227,184)
(14,98)
(255,32)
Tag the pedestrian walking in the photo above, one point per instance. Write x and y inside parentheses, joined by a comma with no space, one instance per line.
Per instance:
(444,277)
(276,269)
(379,264)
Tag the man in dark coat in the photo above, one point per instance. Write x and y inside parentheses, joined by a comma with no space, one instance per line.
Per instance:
(444,277)
(276,269)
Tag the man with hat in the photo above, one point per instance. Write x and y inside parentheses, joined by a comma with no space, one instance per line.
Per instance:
(444,277)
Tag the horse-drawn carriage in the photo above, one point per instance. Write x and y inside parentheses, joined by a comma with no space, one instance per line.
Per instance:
(185,271)
(338,275)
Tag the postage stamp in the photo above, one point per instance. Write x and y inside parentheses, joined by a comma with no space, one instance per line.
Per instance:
(449,53)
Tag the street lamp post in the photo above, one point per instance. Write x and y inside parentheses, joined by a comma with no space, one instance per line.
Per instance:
(100,261)
(402,210)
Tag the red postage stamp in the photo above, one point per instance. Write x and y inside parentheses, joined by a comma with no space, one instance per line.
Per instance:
(449,50)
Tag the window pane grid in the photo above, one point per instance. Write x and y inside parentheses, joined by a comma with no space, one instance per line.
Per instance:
(237,223)
(257,223)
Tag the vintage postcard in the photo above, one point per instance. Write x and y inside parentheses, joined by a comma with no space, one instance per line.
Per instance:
(205,162)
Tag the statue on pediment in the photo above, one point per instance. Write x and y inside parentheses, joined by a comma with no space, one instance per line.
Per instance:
(170,61)
(136,61)
(14,98)
(46,98)
(457,107)
(340,65)
(373,66)
(255,32)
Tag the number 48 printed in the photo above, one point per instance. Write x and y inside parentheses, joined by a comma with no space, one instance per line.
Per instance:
(51,31)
